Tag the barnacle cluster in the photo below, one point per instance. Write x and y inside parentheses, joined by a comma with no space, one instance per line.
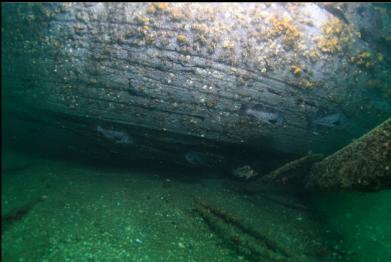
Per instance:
(157,7)
(328,45)
(144,23)
(335,36)
(306,83)
(141,20)
(176,14)
(286,28)
(172,11)
(363,60)
(201,31)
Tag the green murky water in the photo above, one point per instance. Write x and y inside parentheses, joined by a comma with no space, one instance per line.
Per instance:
(75,190)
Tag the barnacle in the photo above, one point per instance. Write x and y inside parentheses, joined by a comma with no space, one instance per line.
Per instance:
(161,6)
(78,27)
(140,20)
(228,44)
(181,39)
(296,71)
(380,57)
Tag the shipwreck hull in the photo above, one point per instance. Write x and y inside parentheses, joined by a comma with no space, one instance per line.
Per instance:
(196,84)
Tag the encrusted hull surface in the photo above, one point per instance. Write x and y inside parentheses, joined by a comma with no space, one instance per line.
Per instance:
(197,83)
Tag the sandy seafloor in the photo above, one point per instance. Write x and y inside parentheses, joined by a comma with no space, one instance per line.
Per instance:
(97,213)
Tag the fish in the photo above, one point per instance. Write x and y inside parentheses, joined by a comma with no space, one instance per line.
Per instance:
(262,114)
(244,172)
(195,159)
(331,120)
(117,136)
(19,213)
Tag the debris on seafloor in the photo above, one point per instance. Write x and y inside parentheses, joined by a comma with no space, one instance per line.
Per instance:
(244,172)
(242,237)
(364,164)
(286,201)
(19,213)
(292,170)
